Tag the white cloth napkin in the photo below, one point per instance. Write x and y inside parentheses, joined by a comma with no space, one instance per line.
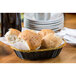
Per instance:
(68,34)
(18,45)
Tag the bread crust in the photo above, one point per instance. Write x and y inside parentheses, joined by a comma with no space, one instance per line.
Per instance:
(14,32)
(45,32)
(12,35)
(32,39)
(51,41)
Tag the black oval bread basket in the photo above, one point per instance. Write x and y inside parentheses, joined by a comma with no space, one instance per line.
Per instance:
(39,54)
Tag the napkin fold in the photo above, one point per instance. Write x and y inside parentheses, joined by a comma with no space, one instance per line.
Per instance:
(68,34)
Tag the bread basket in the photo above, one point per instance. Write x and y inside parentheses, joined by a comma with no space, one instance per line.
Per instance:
(39,54)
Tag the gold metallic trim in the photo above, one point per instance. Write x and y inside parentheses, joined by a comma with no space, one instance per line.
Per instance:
(40,49)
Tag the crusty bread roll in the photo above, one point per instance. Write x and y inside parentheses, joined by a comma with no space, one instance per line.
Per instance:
(51,41)
(31,39)
(12,35)
(44,32)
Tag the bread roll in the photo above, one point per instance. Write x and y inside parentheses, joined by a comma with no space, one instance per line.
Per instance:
(45,32)
(12,35)
(31,39)
(51,41)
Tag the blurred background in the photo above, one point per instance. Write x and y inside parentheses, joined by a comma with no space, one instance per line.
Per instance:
(69,20)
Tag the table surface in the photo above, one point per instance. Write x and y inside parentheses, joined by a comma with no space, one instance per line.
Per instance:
(67,55)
